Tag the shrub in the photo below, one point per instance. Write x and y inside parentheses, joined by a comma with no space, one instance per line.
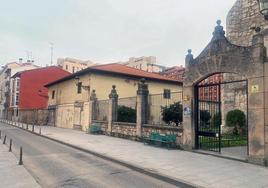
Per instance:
(205,116)
(126,114)
(172,113)
(216,120)
(237,120)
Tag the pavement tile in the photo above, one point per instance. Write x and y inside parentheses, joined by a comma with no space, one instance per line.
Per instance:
(202,170)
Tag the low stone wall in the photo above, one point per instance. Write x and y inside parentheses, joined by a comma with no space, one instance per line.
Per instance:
(104,125)
(37,117)
(166,130)
(126,130)
(129,131)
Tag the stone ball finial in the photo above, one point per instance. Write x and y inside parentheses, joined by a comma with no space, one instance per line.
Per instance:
(219,32)
(143,80)
(189,58)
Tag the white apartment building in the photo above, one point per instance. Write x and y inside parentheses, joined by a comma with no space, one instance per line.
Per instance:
(7,84)
(144,63)
(73,65)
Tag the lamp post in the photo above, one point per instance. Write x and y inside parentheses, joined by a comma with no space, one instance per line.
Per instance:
(77,82)
(77,79)
(263,5)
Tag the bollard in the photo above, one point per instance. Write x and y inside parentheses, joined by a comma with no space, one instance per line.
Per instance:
(10,145)
(0,134)
(27,126)
(4,142)
(20,161)
(33,128)
(39,130)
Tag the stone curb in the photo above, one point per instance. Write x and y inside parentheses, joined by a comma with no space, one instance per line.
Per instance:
(165,178)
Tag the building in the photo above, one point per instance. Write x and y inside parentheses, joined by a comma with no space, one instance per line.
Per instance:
(242,20)
(243,53)
(28,92)
(6,73)
(175,72)
(70,92)
(73,65)
(144,63)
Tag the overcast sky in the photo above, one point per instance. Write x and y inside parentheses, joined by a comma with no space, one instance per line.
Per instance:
(106,31)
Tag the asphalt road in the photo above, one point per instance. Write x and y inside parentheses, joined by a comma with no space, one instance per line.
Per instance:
(56,165)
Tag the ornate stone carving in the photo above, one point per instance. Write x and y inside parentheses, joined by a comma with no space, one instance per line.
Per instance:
(113,93)
(189,58)
(218,33)
(93,95)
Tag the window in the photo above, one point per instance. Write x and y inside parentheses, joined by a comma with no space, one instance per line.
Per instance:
(53,94)
(66,67)
(17,99)
(17,112)
(18,85)
(73,69)
(79,87)
(167,94)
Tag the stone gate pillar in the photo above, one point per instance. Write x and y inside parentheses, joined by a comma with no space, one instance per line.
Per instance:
(92,107)
(142,106)
(113,105)
(188,108)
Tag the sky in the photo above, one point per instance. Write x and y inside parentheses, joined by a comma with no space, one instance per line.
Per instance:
(107,31)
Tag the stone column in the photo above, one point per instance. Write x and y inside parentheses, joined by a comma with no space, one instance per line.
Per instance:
(188,107)
(142,106)
(188,118)
(113,104)
(256,104)
(265,84)
(92,107)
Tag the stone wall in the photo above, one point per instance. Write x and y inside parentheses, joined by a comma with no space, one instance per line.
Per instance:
(166,130)
(37,117)
(244,15)
(127,130)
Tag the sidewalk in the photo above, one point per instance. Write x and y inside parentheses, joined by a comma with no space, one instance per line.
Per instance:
(196,169)
(11,174)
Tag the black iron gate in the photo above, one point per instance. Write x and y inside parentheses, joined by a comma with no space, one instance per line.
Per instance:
(208,117)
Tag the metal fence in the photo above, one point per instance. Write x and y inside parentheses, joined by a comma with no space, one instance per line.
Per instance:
(165,109)
(126,111)
(101,110)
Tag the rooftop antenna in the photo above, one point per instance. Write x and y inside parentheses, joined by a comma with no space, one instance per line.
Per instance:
(28,54)
(51,57)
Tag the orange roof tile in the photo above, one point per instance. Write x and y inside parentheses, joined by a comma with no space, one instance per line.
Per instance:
(118,69)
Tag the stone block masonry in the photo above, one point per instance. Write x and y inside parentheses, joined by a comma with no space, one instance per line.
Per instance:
(241,19)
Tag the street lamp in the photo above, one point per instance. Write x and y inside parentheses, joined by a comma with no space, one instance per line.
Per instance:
(263,4)
(77,79)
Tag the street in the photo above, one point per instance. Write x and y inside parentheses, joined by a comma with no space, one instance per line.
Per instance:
(56,165)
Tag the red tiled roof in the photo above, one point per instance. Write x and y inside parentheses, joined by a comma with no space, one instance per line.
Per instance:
(118,69)
(130,71)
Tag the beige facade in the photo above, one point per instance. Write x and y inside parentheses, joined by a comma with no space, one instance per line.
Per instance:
(73,65)
(66,92)
(72,108)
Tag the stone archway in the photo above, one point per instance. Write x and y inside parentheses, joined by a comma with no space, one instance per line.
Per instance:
(220,56)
